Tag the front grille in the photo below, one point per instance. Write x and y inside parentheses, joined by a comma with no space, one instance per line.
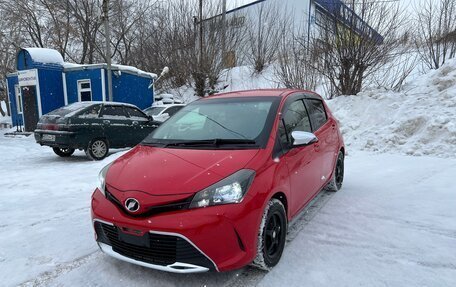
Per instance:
(161,250)
(153,210)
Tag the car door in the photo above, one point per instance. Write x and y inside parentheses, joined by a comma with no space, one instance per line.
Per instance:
(327,135)
(142,125)
(301,160)
(88,125)
(116,125)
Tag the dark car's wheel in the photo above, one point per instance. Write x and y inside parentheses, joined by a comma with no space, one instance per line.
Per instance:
(63,152)
(271,235)
(97,149)
(338,175)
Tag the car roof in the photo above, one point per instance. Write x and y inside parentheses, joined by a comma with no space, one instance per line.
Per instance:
(264,93)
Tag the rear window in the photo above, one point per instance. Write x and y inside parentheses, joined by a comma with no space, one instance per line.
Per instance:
(317,113)
(70,109)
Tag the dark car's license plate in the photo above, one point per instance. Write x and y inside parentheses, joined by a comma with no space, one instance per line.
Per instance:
(134,239)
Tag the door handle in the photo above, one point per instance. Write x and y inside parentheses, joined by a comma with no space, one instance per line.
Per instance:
(135,123)
(106,122)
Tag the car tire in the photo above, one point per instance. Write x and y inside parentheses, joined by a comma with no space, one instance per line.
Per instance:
(271,235)
(337,178)
(97,149)
(63,152)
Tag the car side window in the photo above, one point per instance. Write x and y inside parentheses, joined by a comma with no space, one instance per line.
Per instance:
(295,118)
(317,113)
(135,114)
(171,111)
(91,113)
(113,112)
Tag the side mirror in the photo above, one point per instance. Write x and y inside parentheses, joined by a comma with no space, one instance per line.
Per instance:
(303,138)
(165,115)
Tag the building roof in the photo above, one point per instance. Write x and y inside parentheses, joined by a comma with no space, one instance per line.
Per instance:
(45,56)
(115,67)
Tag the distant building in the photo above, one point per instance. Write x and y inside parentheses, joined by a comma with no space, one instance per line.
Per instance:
(44,82)
(308,17)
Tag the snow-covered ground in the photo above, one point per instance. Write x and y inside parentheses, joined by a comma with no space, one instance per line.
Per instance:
(393,224)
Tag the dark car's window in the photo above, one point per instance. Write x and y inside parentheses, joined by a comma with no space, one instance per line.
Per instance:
(70,109)
(317,113)
(172,110)
(248,118)
(295,119)
(135,113)
(91,113)
(154,111)
(113,112)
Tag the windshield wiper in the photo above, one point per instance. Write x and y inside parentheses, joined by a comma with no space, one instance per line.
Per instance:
(212,142)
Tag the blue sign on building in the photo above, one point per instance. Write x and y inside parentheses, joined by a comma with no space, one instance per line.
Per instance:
(44,82)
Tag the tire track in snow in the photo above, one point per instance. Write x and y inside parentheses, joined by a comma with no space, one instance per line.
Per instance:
(46,277)
(251,276)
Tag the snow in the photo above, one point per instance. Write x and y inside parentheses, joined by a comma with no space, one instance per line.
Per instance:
(420,120)
(44,55)
(392,224)
(115,67)
(376,232)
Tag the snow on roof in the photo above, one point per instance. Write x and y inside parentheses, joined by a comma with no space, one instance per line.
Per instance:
(115,67)
(45,56)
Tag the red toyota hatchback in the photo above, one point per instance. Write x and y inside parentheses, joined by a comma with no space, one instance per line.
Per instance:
(215,186)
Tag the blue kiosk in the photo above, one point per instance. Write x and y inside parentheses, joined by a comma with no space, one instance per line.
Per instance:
(44,82)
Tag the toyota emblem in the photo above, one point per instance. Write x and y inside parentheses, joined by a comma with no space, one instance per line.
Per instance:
(132,205)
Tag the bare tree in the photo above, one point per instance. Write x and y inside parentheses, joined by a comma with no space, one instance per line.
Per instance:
(264,34)
(355,46)
(436,34)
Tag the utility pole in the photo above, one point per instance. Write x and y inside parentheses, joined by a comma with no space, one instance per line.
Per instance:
(108,47)
(201,31)
(223,30)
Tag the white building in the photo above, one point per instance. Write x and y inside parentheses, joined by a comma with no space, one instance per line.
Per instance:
(307,17)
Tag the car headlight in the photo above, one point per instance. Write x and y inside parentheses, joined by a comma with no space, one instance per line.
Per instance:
(102,179)
(229,190)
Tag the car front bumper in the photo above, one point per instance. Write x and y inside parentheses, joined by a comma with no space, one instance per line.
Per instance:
(218,238)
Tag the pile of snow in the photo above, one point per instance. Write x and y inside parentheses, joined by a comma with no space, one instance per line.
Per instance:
(44,55)
(420,120)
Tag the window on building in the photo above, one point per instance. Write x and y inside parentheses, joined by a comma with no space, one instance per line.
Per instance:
(85,90)
(17,90)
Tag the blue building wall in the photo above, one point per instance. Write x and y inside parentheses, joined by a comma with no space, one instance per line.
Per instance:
(72,78)
(132,89)
(51,88)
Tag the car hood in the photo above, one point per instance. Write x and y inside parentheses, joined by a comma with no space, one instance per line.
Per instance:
(173,172)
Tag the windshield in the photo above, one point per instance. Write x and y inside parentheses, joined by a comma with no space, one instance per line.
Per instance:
(225,120)
(154,111)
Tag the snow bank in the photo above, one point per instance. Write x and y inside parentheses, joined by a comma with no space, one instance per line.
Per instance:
(44,55)
(418,121)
